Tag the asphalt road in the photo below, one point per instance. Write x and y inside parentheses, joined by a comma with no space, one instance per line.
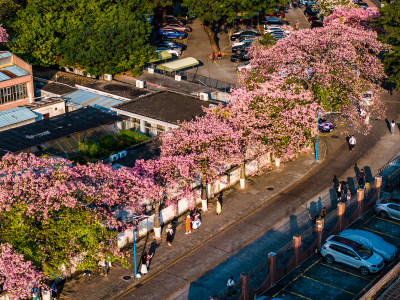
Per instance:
(178,281)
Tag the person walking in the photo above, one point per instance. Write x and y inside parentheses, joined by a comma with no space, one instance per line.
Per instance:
(218,207)
(323,212)
(145,263)
(230,282)
(87,272)
(348,195)
(188,225)
(392,126)
(212,56)
(367,188)
(219,55)
(296,27)
(54,291)
(170,233)
(104,267)
(339,191)
(35,293)
(352,142)
(361,179)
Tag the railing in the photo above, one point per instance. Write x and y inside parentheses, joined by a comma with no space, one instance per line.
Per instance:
(199,79)
(231,293)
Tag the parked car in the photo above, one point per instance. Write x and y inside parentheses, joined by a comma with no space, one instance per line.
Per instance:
(280,14)
(312,19)
(175,52)
(240,57)
(307,2)
(237,33)
(173,20)
(171,44)
(273,21)
(325,126)
(242,41)
(362,5)
(272,29)
(178,27)
(241,48)
(244,66)
(172,34)
(372,242)
(388,207)
(345,251)
(243,34)
(309,11)
(316,24)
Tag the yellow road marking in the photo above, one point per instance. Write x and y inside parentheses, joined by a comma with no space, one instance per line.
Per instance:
(379,232)
(387,220)
(297,294)
(297,277)
(344,271)
(327,284)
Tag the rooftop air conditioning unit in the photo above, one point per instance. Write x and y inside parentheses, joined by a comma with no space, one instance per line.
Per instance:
(178,77)
(140,84)
(108,77)
(204,96)
(150,70)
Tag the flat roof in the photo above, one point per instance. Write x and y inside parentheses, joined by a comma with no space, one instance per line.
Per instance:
(81,98)
(4,54)
(11,71)
(44,102)
(15,115)
(34,134)
(179,64)
(167,106)
(55,88)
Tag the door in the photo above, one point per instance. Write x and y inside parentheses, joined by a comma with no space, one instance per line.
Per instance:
(394,211)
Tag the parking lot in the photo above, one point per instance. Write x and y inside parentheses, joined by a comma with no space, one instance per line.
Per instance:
(315,279)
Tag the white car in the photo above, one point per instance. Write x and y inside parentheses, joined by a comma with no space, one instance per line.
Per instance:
(175,52)
(367,98)
(243,41)
(244,66)
(272,29)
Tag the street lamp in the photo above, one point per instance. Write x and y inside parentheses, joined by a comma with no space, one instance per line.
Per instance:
(316,143)
(134,245)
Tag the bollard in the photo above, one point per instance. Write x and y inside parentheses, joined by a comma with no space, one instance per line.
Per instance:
(341,210)
(320,226)
(297,248)
(245,287)
(360,196)
(272,267)
(378,184)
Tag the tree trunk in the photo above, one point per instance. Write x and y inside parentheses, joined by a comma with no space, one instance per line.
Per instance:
(211,36)
(156,222)
(242,175)
(203,194)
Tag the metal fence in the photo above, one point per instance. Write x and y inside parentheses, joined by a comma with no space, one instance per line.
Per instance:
(216,84)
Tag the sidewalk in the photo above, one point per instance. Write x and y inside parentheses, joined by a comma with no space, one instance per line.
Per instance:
(259,190)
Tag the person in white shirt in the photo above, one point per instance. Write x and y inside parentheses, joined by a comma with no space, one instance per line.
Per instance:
(230,282)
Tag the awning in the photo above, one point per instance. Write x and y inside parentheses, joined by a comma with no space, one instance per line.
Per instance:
(163,55)
(179,64)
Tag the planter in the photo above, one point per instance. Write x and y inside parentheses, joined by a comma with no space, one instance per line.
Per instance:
(204,205)
(157,232)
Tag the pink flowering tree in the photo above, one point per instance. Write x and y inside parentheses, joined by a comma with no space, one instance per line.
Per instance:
(3,35)
(336,63)
(205,146)
(54,213)
(352,16)
(17,276)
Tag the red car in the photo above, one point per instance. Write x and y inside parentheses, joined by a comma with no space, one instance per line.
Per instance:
(177,27)
(280,15)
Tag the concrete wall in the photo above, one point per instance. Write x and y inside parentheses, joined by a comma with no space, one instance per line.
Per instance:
(52,109)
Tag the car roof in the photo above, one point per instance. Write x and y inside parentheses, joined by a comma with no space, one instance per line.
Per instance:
(389,200)
(344,241)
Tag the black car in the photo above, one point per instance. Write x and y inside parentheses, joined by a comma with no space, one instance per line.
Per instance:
(310,12)
(170,45)
(173,20)
(274,21)
(241,48)
(317,24)
(238,35)
(362,5)
(240,57)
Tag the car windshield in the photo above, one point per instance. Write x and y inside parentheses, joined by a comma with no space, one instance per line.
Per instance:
(363,252)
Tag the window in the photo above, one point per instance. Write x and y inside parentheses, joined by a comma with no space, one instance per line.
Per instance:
(394,206)
(338,249)
(13,93)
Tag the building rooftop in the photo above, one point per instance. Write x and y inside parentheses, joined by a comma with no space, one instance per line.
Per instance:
(167,106)
(11,71)
(30,135)
(82,98)
(55,88)
(117,88)
(44,102)
(15,115)
(4,54)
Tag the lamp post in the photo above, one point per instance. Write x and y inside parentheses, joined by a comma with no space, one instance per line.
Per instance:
(134,244)
(316,142)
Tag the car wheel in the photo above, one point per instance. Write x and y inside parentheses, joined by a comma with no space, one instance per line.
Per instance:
(180,37)
(329,259)
(364,271)
(383,214)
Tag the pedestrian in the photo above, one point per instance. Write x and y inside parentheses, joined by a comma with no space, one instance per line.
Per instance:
(361,179)
(145,263)
(218,207)
(219,55)
(313,219)
(348,195)
(197,222)
(230,282)
(367,188)
(87,272)
(296,27)
(104,267)
(212,56)
(54,291)
(392,126)
(35,293)
(352,142)
(323,212)
(188,225)
(339,191)
(170,233)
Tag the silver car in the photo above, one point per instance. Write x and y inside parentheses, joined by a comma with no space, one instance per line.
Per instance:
(371,241)
(342,250)
(388,208)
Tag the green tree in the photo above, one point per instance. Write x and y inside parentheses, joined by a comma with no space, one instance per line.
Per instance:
(389,25)
(213,12)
